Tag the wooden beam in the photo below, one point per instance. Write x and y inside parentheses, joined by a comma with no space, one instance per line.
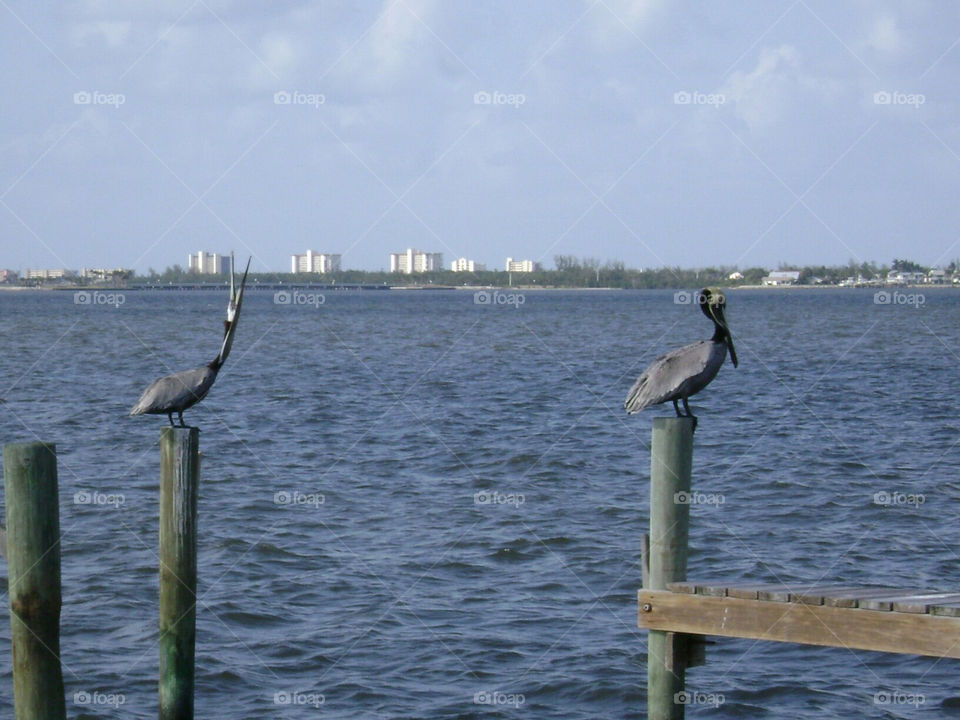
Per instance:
(907,633)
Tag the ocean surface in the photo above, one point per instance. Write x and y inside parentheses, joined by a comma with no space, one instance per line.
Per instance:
(416,506)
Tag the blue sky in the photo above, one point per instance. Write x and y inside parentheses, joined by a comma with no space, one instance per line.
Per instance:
(652,132)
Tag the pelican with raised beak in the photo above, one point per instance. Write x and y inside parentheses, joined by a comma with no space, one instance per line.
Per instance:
(686,371)
(175,393)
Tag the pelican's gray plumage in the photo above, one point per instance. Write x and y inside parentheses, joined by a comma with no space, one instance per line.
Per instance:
(175,393)
(686,371)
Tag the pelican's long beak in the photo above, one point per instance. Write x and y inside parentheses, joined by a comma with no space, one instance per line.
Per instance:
(720,319)
(233,312)
(733,353)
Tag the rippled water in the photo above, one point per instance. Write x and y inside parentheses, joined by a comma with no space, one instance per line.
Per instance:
(401,595)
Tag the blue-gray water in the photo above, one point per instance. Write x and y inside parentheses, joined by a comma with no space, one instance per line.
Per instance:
(401,595)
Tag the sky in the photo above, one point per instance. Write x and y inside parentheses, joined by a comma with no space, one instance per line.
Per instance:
(644,131)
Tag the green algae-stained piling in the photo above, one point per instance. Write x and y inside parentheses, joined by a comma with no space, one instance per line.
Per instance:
(671,460)
(33,563)
(179,480)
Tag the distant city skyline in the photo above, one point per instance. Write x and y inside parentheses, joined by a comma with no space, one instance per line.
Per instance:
(652,133)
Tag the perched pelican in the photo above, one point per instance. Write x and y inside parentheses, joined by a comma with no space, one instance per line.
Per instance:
(687,370)
(175,393)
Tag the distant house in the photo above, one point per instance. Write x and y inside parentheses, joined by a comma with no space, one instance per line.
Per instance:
(737,275)
(8,276)
(937,277)
(903,277)
(782,277)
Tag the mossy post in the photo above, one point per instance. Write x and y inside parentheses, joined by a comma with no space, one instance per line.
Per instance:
(179,479)
(33,563)
(671,460)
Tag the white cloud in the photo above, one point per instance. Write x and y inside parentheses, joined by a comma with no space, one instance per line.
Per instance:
(884,35)
(759,96)
(113,33)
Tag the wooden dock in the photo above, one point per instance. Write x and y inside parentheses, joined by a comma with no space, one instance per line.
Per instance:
(680,615)
(916,622)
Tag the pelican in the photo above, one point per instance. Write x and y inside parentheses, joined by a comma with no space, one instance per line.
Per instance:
(175,393)
(687,370)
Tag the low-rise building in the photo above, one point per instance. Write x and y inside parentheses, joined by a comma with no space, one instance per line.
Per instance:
(8,277)
(522,265)
(415,261)
(464,265)
(937,277)
(58,274)
(781,277)
(207,263)
(104,274)
(314,262)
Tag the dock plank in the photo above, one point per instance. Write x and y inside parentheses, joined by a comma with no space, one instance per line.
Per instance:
(897,632)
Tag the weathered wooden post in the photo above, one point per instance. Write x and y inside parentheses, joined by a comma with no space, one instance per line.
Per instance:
(33,563)
(179,478)
(671,459)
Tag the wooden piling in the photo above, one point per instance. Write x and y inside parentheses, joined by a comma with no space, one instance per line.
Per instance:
(33,563)
(179,479)
(670,465)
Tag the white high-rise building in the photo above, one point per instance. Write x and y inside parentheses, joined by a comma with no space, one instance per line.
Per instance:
(209,263)
(522,265)
(314,262)
(464,265)
(415,261)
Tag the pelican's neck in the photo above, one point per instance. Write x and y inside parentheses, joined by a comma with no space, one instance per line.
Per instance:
(720,333)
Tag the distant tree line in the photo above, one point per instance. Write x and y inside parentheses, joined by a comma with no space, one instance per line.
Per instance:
(569,271)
